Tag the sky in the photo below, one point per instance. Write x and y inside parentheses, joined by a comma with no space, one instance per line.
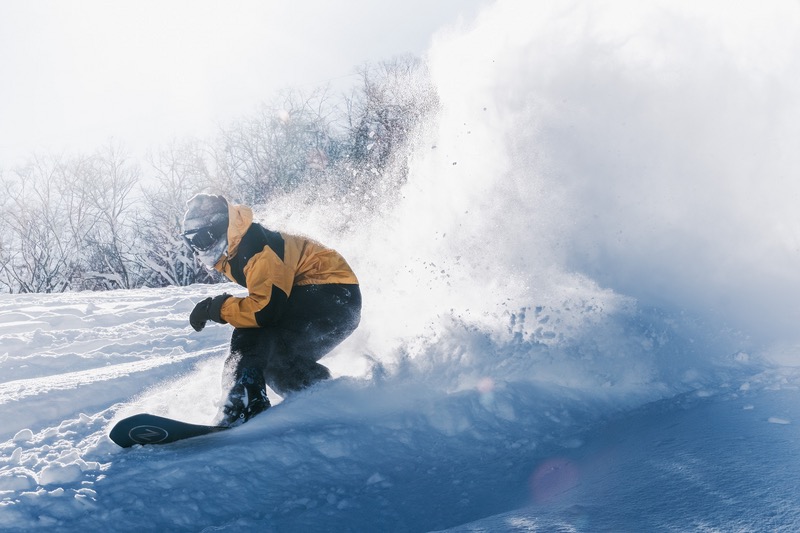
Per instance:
(77,74)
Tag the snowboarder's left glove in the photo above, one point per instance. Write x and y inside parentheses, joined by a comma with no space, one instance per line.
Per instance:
(208,309)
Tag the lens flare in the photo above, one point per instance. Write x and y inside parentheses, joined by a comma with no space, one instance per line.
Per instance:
(486,389)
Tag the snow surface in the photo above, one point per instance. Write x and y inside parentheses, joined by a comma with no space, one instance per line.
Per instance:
(393,451)
(579,315)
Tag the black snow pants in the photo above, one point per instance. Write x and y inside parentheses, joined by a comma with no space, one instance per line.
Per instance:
(317,318)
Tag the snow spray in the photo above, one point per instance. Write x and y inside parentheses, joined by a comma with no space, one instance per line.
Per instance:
(648,146)
(605,199)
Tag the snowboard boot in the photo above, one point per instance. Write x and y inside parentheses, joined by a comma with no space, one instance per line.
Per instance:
(247,398)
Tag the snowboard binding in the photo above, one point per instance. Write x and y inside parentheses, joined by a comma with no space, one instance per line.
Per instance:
(247,398)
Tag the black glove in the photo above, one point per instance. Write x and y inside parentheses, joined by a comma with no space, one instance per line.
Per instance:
(208,309)
(199,315)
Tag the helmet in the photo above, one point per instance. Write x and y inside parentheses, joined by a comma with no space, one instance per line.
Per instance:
(205,227)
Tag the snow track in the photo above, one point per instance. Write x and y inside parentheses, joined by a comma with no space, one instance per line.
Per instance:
(71,364)
(84,354)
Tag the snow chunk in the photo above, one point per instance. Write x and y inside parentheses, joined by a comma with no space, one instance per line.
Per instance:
(17,480)
(23,435)
(741,357)
(375,478)
(16,457)
(776,420)
(86,497)
(58,473)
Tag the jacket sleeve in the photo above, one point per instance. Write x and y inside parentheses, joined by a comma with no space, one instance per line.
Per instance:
(269,283)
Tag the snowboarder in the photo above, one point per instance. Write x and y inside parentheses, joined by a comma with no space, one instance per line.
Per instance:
(303,300)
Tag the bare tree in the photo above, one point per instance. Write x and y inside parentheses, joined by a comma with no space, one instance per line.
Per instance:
(73,184)
(82,222)
(278,149)
(112,178)
(37,252)
(180,170)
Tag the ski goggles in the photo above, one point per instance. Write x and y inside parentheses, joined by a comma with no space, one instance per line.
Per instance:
(204,238)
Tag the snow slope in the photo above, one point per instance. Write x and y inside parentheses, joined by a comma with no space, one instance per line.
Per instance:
(688,464)
(391,452)
(580,314)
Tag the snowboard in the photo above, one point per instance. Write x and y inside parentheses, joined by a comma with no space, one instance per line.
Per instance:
(145,428)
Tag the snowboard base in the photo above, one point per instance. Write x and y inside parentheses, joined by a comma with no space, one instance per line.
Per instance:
(145,428)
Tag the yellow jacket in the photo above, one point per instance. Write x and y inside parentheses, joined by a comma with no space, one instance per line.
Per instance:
(270,264)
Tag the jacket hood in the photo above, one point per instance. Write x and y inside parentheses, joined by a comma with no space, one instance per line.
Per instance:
(240,217)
